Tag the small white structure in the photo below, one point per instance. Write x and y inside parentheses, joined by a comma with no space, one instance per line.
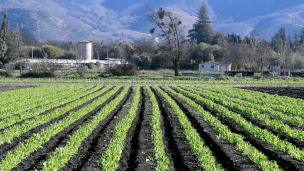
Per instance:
(214,66)
(85,49)
(73,62)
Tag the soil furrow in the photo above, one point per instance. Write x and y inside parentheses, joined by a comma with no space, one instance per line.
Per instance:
(128,160)
(223,151)
(89,150)
(6,147)
(146,147)
(284,160)
(294,92)
(183,157)
(36,159)
(291,124)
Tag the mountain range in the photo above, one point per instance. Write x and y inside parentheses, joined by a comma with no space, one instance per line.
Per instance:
(98,20)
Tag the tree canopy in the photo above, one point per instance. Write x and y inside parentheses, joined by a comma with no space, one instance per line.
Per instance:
(202,31)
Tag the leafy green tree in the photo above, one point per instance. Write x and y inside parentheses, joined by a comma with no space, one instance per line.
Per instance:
(3,34)
(209,58)
(279,40)
(234,38)
(302,37)
(202,31)
(296,40)
(51,51)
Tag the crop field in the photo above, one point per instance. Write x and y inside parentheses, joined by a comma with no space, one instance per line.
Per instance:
(151,128)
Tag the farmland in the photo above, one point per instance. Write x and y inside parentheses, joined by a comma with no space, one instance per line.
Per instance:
(144,127)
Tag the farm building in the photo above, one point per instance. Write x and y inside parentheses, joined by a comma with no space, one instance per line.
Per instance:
(214,66)
(85,50)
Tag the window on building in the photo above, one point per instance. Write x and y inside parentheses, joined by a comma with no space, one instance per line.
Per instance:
(202,66)
(212,66)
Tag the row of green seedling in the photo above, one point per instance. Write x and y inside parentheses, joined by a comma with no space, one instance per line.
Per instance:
(235,139)
(250,111)
(17,130)
(23,150)
(294,119)
(263,134)
(36,111)
(283,103)
(48,97)
(110,159)
(23,94)
(157,135)
(202,153)
(62,155)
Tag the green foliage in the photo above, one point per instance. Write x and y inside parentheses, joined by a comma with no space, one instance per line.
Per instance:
(263,134)
(203,154)
(110,159)
(51,51)
(90,65)
(157,135)
(98,64)
(209,58)
(256,156)
(202,31)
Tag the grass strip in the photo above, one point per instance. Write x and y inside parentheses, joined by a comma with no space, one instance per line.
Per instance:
(237,140)
(203,154)
(157,135)
(110,159)
(23,150)
(61,156)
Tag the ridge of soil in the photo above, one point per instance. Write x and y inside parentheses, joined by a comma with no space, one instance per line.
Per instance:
(6,147)
(229,157)
(146,146)
(36,159)
(284,160)
(92,147)
(294,92)
(181,153)
(43,113)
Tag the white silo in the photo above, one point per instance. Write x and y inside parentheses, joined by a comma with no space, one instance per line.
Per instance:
(85,49)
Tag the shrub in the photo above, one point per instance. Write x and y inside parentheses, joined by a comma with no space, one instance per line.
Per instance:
(124,70)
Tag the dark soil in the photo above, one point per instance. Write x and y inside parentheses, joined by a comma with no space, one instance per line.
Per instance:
(294,92)
(146,147)
(284,160)
(21,122)
(5,148)
(92,148)
(223,151)
(179,148)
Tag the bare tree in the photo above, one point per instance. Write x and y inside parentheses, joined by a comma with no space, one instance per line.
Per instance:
(167,27)
(263,55)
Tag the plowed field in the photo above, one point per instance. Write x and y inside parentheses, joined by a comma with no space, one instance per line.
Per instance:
(151,128)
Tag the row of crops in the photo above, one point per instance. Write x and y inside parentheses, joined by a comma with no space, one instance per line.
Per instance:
(149,128)
(153,80)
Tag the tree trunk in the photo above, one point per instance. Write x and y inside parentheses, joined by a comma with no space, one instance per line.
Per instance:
(175,63)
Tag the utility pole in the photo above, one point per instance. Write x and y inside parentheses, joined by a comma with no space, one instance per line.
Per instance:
(32,53)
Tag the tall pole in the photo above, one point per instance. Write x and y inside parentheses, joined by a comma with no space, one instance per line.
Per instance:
(32,53)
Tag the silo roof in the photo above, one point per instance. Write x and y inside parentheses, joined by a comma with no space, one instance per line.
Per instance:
(84,41)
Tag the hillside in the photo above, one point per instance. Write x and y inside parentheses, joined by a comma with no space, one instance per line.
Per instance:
(119,20)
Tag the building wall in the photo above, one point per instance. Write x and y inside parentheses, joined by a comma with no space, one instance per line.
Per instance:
(85,50)
(223,68)
(208,68)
